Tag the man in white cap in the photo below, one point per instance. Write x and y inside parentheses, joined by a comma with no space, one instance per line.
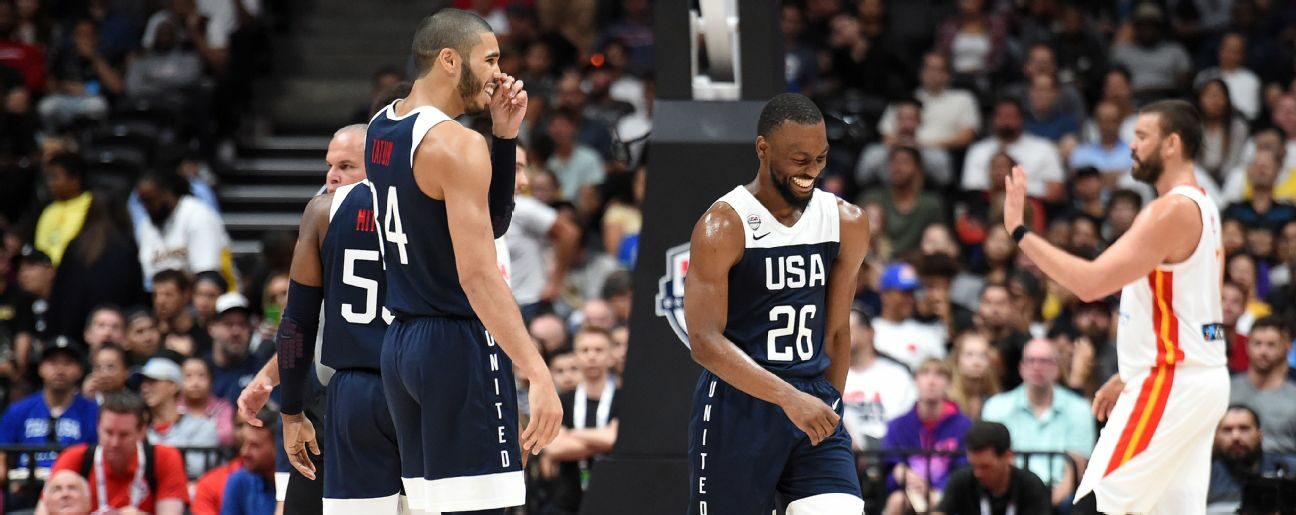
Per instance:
(160,380)
(231,332)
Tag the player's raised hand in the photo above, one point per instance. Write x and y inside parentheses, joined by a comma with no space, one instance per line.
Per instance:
(298,437)
(546,415)
(1014,198)
(253,398)
(508,105)
(812,416)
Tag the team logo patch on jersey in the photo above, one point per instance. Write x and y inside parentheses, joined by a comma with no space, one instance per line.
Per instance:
(1213,332)
(753,221)
(670,292)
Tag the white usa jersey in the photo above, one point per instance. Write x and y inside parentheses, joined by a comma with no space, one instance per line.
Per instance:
(1173,316)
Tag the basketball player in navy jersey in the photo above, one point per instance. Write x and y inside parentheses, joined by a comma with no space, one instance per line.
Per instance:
(337,262)
(447,359)
(362,470)
(767,304)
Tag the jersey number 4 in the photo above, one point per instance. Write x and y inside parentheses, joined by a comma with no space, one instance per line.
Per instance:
(370,286)
(798,327)
(392,228)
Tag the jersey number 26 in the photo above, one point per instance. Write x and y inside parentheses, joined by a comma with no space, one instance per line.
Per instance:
(798,325)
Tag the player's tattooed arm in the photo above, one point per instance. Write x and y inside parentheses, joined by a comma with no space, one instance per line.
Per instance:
(717,244)
(841,290)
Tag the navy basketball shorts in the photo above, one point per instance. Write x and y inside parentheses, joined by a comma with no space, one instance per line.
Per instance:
(454,403)
(363,468)
(743,450)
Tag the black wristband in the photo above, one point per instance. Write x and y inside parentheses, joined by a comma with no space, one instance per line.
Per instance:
(1019,233)
(503,156)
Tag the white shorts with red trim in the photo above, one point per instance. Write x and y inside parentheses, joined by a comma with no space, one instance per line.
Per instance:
(1154,454)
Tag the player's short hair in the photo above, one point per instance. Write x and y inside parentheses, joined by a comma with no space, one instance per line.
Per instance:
(1255,417)
(448,28)
(1178,117)
(355,127)
(172,276)
(1270,322)
(125,403)
(988,435)
(936,365)
(787,107)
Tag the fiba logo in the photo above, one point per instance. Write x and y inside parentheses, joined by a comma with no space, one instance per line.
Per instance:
(670,292)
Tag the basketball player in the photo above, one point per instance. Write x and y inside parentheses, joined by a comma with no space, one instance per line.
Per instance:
(295,492)
(1154,454)
(353,347)
(767,305)
(449,387)
(337,264)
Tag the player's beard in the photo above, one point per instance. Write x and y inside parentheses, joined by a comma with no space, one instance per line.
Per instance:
(470,90)
(783,183)
(1149,171)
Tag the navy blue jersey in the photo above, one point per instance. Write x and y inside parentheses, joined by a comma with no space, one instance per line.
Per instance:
(354,287)
(422,280)
(778,291)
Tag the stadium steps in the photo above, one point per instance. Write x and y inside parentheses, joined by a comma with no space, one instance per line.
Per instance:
(269,186)
(323,66)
